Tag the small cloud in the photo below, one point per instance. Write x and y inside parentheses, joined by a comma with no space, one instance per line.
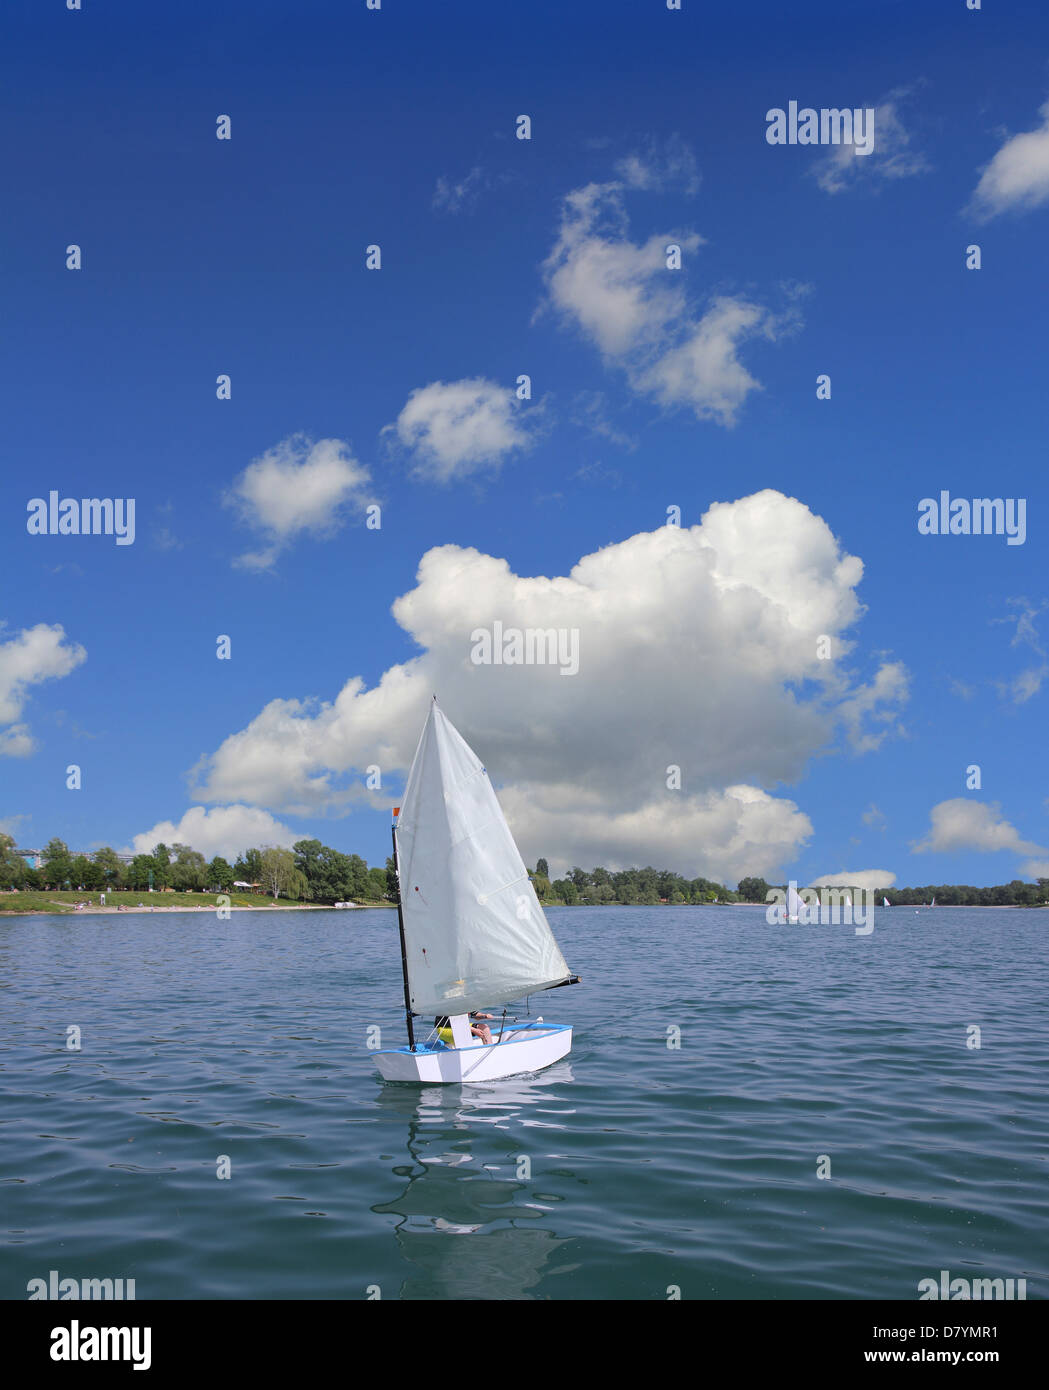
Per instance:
(874,818)
(225,830)
(670,164)
(855,878)
(458,428)
(34,655)
(963,691)
(892,157)
(165,540)
(1029,682)
(590,411)
(961,824)
(597,474)
(297,488)
(455,197)
(1017,178)
(620,294)
(878,701)
(9,824)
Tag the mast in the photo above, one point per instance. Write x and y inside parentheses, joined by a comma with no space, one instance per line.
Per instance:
(404,948)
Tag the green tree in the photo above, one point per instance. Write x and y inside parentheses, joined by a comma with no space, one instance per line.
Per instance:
(307,861)
(542,887)
(189,871)
(248,868)
(279,873)
(391,881)
(113,872)
(753,890)
(376,884)
(220,874)
(84,873)
(566,890)
(161,866)
(57,863)
(542,869)
(138,872)
(12,866)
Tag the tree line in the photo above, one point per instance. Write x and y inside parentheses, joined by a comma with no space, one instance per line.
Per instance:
(649,886)
(310,871)
(1014,894)
(313,872)
(625,886)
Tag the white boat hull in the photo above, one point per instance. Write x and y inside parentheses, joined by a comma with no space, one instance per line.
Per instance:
(524,1047)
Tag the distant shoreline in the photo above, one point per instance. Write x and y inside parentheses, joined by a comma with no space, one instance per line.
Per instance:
(119,911)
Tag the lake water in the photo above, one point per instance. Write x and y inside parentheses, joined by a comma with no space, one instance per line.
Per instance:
(650,1166)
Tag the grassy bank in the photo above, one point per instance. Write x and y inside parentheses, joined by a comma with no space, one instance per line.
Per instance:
(65,902)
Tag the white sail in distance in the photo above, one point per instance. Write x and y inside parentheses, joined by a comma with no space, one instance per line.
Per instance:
(474,932)
(794,903)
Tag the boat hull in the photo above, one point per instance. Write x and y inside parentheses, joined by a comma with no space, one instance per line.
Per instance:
(524,1047)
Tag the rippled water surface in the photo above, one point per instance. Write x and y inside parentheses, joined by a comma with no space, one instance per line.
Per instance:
(625,1169)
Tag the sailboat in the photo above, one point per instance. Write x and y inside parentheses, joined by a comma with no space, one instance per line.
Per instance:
(885,902)
(933,903)
(793,903)
(473,935)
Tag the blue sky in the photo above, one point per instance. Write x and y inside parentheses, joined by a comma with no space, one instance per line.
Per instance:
(651,388)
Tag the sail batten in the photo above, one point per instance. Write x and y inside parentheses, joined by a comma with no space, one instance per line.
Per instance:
(469,941)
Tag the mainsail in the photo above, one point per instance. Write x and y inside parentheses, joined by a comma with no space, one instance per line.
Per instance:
(474,932)
(794,903)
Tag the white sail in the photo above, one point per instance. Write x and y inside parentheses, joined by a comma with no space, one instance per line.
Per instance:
(848,899)
(474,932)
(793,903)
(885,902)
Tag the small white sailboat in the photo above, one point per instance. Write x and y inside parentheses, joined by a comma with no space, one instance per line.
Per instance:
(933,903)
(848,900)
(473,935)
(793,903)
(885,902)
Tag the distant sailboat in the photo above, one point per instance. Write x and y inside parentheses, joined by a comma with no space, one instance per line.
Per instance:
(472,932)
(793,903)
(885,902)
(848,899)
(933,903)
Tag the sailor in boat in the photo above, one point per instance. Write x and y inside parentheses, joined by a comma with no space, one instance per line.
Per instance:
(443,1024)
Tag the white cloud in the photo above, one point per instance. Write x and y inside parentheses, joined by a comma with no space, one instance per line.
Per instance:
(856,878)
(874,818)
(294,488)
(961,824)
(879,701)
(1017,178)
(1036,868)
(225,830)
(457,428)
(621,295)
(697,649)
(723,835)
(892,157)
(1030,681)
(35,654)
(450,196)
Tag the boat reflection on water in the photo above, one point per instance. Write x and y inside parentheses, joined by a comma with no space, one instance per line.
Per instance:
(470,1226)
